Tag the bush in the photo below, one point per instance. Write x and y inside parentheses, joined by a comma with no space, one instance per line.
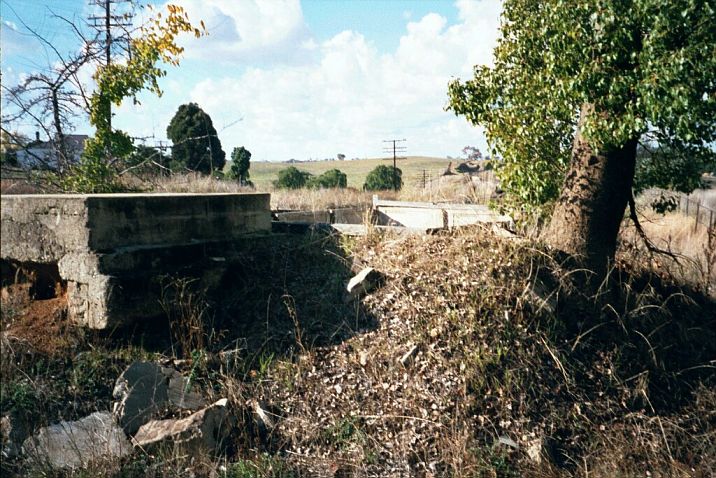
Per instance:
(381,178)
(332,178)
(292,178)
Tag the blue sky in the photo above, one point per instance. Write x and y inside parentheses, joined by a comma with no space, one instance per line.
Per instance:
(289,79)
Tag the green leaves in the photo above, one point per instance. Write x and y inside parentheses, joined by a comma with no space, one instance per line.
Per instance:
(647,66)
(97,170)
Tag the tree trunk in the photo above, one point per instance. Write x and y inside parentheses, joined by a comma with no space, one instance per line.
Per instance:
(585,222)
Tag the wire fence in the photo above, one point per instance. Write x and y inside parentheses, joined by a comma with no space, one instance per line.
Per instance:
(481,185)
(702,214)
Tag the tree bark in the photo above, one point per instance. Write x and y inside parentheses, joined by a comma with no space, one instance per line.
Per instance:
(585,222)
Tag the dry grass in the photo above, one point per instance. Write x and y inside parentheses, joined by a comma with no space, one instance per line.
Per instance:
(692,244)
(457,188)
(318,199)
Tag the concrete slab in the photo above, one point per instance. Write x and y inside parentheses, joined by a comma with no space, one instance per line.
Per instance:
(110,248)
(426,215)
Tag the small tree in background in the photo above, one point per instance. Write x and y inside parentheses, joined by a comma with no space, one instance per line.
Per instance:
(381,179)
(292,178)
(471,153)
(341,156)
(333,178)
(240,163)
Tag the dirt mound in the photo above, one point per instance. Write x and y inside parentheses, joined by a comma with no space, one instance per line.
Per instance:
(36,325)
(490,359)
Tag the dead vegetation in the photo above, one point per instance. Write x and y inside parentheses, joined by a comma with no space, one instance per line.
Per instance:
(479,356)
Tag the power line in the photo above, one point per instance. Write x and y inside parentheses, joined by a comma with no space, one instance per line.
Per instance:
(396,149)
(105,24)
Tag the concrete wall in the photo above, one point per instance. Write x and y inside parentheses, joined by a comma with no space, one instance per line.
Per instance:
(110,249)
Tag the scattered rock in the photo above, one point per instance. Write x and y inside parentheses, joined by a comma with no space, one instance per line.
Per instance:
(505,440)
(408,356)
(263,419)
(13,431)
(75,444)
(203,429)
(364,282)
(142,393)
(538,295)
(145,389)
(181,395)
(534,450)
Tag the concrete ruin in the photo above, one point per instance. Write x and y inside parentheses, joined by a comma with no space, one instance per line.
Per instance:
(431,216)
(106,251)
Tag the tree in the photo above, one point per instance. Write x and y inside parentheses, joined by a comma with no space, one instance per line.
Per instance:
(156,45)
(341,156)
(575,87)
(10,144)
(381,178)
(52,98)
(471,153)
(333,178)
(195,141)
(240,163)
(292,178)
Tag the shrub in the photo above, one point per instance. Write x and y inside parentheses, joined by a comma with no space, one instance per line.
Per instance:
(332,178)
(292,178)
(381,178)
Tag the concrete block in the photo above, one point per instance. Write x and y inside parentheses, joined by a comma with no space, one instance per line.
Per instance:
(111,248)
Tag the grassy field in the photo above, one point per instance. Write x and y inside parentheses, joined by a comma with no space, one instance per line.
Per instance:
(412,167)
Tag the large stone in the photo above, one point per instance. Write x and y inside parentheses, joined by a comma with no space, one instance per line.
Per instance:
(204,429)
(364,282)
(110,248)
(75,444)
(146,389)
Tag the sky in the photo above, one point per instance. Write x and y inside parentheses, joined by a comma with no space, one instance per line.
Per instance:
(294,79)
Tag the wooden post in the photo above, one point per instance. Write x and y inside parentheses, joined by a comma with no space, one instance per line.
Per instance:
(696,222)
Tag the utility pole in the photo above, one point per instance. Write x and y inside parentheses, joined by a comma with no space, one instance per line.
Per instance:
(396,149)
(107,21)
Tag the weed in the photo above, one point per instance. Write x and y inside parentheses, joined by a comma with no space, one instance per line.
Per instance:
(264,466)
(187,311)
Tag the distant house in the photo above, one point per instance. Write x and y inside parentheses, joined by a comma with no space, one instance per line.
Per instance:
(45,154)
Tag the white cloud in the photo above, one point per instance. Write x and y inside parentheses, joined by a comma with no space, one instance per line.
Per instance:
(347,98)
(248,30)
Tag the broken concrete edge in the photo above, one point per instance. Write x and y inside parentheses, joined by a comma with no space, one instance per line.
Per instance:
(203,429)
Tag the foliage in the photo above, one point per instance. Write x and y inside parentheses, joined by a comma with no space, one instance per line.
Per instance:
(240,164)
(670,168)
(98,168)
(292,178)
(472,153)
(382,178)
(10,143)
(333,178)
(148,155)
(646,67)
(196,144)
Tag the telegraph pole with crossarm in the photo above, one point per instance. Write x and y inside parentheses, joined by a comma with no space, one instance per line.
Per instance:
(395,149)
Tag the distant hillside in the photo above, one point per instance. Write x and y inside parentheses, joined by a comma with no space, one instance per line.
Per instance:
(412,167)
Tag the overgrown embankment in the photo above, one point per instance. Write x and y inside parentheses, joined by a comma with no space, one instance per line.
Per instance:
(478,356)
